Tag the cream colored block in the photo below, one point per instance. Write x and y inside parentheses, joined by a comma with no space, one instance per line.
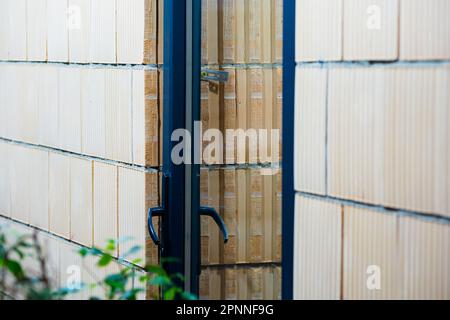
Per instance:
(267,31)
(7,92)
(20,176)
(442,142)
(425,247)
(360,103)
(93,108)
(269,237)
(69,111)
(50,245)
(105,203)
(4,29)
(5,182)
(79,20)
(102,40)
(268,140)
(29,264)
(372,261)
(132,213)
(39,189)
(36,30)
(118,91)
(371,29)
(215,240)
(3,96)
(57,31)
(255,111)
(241,43)
(70,268)
(230,214)
(81,201)
(145,118)
(91,275)
(255,217)
(48,106)
(424,30)
(17,30)
(229,25)
(159,33)
(388,136)
(139,110)
(317,249)
(255,283)
(318,30)
(255,30)
(130,31)
(420,154)
(26,112)
(279,11)
(154,29)
(310,129)
(59,195)
(230,116)
(211,27)
(241,206)
(268,284)
(15,101)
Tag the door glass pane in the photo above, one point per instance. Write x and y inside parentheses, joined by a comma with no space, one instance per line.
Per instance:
(240,174)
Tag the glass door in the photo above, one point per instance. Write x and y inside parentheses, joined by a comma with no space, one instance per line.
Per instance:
(240,171)
(221,203)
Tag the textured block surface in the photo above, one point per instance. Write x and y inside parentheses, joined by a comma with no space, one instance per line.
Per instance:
(317,255)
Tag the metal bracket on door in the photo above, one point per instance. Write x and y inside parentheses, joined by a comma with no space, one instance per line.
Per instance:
(214,75)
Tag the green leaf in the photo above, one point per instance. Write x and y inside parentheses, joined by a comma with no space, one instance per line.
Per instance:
(104,260)
(133,250)
(111,245)
(116,281)
(178,276)
(83,252)
(24,244)
(19,253)
(188,296)
(15,268)
(144,278)
(157,270)
(171,293)
(160,281)
(131,294)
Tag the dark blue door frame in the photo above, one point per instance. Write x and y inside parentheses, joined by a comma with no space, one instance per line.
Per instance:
(193,61)
(288,148)
(180,202)
(173,176)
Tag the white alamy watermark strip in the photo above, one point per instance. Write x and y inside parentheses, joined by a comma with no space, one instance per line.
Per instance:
(211,147)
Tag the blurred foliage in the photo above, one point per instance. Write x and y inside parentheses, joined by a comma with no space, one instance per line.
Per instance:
(17,282)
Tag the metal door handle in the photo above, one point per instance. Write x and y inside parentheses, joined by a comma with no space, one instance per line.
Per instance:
(211,212)
(154,212)
(158,212)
